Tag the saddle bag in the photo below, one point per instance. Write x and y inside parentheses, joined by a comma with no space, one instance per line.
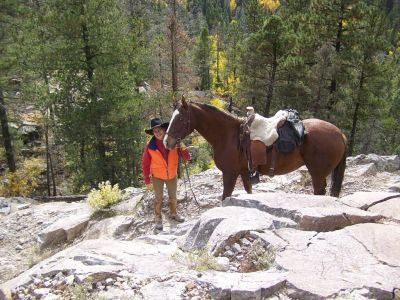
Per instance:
(258,152)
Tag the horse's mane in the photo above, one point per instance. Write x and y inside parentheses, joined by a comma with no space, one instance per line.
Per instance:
(217,110)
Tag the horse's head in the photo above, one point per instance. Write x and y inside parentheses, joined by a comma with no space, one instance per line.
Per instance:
(179,126)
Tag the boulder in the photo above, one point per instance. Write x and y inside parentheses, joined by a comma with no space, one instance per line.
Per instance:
(360,257)
(221,226)
(315,213)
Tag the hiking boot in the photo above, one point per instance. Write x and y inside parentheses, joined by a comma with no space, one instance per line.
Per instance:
(178,218)
(159,225)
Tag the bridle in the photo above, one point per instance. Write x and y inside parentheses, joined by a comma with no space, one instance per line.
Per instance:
(186,123)
(178,140)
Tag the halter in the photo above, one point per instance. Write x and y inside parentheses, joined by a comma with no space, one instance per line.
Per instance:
(187,122)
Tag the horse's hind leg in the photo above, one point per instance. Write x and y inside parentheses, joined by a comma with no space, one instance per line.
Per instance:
(319,185)
(246,181)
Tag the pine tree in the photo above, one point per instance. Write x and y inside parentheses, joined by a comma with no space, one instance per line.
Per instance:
(94,101)
(9,13)
(202,59)
(264,61)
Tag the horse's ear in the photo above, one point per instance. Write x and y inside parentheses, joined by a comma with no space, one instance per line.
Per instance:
(175,104)
(184,103)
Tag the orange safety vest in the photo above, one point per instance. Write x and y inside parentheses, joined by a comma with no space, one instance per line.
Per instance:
(159,167)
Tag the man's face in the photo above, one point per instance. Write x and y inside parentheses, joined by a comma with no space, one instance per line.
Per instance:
(159,133)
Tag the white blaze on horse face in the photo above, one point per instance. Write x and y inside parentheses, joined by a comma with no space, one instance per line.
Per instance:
(176,113)
(165,140)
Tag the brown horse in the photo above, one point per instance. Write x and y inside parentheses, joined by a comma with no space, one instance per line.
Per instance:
(323,150)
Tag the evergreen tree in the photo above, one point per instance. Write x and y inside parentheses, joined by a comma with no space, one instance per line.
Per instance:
(264,62)
(9,16)
(202,58)
(94,100)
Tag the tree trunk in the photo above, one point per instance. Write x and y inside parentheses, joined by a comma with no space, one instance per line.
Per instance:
(356,111)
(49,161)
(353,129)
(51,181)
(46,134)
(271,84)
(6,135)
(101,151)
(174,59)
(334,86)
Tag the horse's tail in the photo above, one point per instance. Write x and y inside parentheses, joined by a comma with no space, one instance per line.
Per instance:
(338,172)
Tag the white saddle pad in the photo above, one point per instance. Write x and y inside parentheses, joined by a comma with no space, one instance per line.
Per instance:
(264,129)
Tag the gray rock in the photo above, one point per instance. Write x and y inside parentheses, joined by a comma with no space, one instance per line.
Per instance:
(129,203)
(51,296)
(236,247)
(109,228)
(315,213)
(41,292)
(365,200)
(356,257)
(100,259)
(222,264)
(383,163)
(64,230)
(168,290)
(389,208)
(255,285)
(222,225)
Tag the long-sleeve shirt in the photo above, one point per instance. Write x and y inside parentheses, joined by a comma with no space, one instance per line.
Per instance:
(146,160)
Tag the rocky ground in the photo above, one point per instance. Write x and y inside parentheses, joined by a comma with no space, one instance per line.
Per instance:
(65,251)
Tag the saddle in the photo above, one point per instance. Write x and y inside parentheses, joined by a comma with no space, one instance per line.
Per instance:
(289,133)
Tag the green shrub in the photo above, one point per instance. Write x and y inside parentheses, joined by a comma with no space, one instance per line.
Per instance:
(202,158)
(261,255)
(199,260)
(104,196)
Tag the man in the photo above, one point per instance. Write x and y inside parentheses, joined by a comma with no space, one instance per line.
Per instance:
(160,166)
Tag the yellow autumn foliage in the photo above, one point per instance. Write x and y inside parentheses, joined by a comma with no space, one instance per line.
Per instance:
(24,180)
(218,66)
(217,103)
(270,4)
(232,5)
(104,196)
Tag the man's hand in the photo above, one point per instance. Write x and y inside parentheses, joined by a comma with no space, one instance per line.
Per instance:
(149,187)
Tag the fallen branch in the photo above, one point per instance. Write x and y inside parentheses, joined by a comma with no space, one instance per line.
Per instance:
(67,198)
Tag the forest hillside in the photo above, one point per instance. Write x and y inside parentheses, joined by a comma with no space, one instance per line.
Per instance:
(80,80)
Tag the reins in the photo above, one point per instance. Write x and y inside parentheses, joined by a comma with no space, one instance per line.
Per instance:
(190,184)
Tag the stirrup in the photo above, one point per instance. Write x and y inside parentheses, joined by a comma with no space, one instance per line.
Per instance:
(254,177)
(271,172)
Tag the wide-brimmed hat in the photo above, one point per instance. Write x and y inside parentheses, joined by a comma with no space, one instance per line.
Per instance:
(156,122)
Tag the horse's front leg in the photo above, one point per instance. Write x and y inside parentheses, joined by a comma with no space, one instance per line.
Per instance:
(246,181)
(229,180)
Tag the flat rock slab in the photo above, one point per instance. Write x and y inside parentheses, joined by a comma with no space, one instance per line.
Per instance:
(103,258)
(222,225)
(390,208)
(310,212)
(55,208)
(129,204)
(168,290)
(64,230)
(361,257)
(236,286)
(364,200)
(109,228)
